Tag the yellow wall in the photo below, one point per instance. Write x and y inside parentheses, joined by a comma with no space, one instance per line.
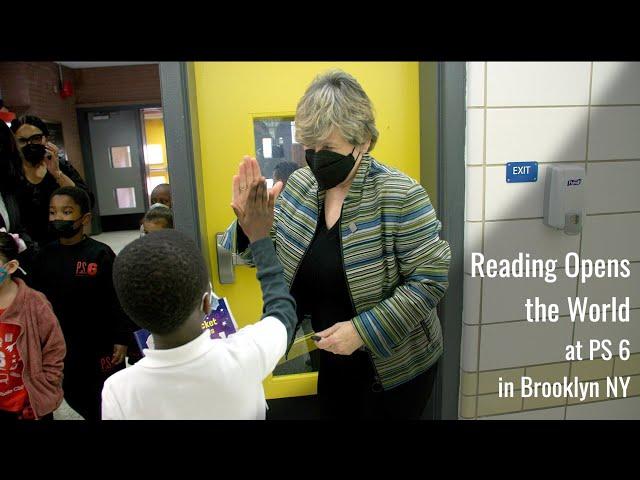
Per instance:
(230,94)
(154,133)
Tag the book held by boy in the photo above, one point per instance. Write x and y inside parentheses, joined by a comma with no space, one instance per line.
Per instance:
(219,322)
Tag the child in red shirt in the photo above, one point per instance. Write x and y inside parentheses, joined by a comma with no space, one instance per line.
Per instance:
(32,347)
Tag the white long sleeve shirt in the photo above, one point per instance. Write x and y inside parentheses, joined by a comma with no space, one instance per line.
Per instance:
(204,379)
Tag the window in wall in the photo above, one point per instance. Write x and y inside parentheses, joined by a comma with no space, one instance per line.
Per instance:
(120,157)
(274,140)
(125,197)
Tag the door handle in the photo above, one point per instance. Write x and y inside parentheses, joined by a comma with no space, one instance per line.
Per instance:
(227,261)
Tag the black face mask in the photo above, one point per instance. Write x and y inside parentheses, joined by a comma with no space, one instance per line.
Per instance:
(34,153)
(329,168)
(64,228)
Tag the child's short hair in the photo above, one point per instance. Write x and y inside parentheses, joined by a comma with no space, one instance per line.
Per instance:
(79,196)
(8,247)
(160,280)
(160,213)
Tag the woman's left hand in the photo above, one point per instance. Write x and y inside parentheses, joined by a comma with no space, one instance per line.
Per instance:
(53,164)
(341,339)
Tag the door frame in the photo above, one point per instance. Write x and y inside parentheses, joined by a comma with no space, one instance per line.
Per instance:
(180,117)
(446,88)
(450,125)
(87,155)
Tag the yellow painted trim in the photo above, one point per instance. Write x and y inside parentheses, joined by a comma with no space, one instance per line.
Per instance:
(262,115)
(296,385)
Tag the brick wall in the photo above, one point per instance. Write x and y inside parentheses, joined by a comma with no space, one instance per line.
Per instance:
(32,87)
(118,85)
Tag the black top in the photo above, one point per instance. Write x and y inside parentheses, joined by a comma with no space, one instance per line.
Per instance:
(77,281)
(13,210)
(34,202)
(15,226)
(320,287)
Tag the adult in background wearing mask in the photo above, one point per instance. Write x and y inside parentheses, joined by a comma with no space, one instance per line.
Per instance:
(361,252)
(43,173)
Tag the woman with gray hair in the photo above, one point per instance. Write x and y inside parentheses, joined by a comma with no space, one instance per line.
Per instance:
(360,246)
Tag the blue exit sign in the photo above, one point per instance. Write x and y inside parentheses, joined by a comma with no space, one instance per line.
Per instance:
(518,172)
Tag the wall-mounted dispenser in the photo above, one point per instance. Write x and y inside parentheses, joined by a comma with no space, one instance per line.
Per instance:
(564,198)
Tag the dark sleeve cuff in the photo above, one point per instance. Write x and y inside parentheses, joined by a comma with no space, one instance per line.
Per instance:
(242,241)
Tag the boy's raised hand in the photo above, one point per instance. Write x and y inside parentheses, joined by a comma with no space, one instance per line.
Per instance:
(248,172)
(256,218)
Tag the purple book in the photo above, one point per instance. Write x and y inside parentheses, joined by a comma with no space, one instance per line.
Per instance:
(219,322)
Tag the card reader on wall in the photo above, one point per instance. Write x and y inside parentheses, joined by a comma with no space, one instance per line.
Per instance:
(564,198)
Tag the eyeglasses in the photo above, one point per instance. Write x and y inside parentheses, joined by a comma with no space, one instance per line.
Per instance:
(37,138)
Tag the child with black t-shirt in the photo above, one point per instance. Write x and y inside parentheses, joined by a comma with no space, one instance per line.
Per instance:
(74,273)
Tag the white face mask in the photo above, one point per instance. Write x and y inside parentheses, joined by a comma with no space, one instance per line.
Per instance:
(157,205)
(213,300)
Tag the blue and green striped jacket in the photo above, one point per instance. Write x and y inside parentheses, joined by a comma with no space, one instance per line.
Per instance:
(395,262)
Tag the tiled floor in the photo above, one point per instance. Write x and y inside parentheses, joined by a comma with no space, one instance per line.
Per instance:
(65,412)
(117,241)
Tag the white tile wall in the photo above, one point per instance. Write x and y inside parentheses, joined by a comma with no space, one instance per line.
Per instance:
(545,414)
(611,236)
(507,239)
(600,290)
(472,242)
(613,133)
(615,83)
(522,343)
(623,409)
(538,83)
(613,187)
(475,84)
(537,134)
(513,212)
(474,193)
(613,331)
(513,200)
(504,299)
(471,302)
(469,351)
(475,137)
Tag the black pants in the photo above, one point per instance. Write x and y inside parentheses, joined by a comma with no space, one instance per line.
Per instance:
(347,389)
(85,398)
(83,382)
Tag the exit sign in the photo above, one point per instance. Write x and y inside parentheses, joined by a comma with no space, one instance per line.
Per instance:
(518,172)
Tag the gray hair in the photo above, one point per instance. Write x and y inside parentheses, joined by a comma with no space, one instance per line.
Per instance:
(335,99)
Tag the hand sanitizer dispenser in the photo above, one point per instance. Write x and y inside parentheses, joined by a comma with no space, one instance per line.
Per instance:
(564,198)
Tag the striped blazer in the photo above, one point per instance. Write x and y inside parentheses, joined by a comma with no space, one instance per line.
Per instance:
(395,262)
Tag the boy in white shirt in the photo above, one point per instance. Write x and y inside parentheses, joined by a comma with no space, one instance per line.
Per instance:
(162,283)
